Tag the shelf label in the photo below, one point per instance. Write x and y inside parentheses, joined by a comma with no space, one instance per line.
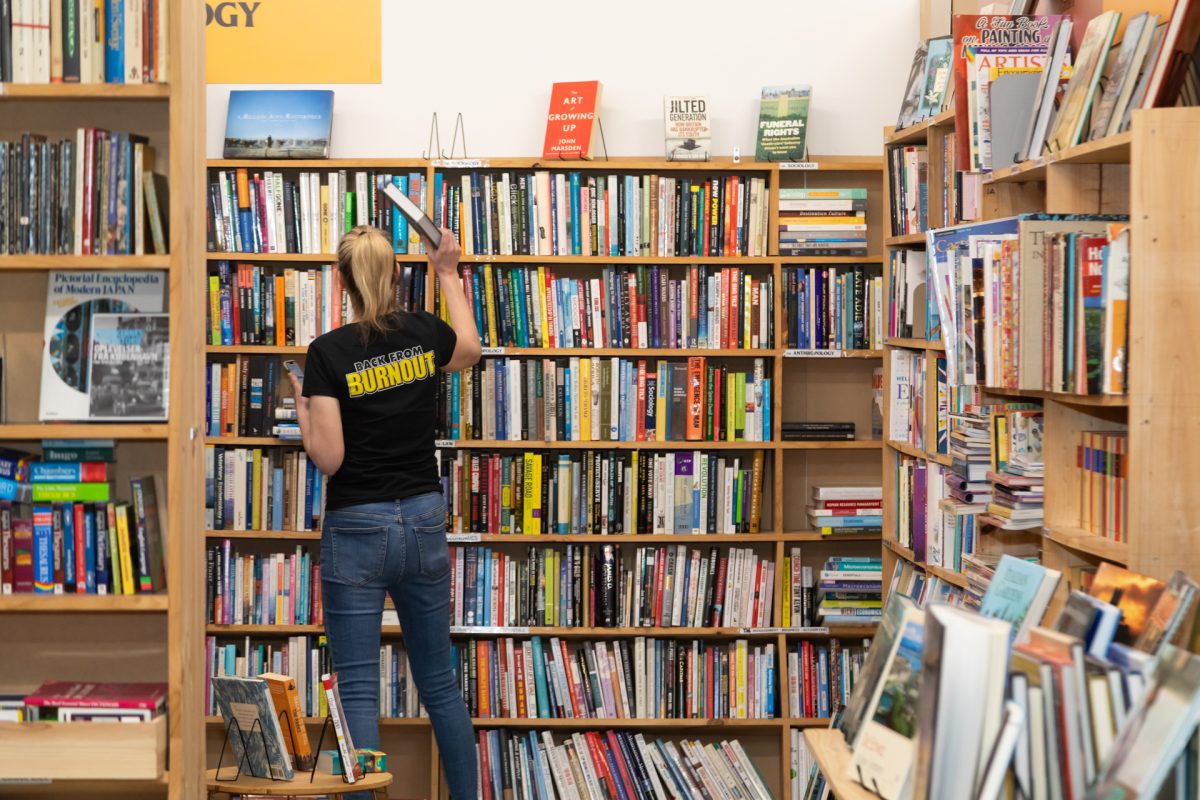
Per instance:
(798,353)
(484,630)
(443,443)
(799,165)
(462,537)
(492,351)
(819,630)
(461,163)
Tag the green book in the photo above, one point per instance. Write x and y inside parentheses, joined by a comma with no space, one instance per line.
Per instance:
(782,123)
(70,493)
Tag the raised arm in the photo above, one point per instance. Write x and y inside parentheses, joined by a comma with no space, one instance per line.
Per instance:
(445,265)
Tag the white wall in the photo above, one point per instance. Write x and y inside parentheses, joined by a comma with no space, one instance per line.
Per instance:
(496,67)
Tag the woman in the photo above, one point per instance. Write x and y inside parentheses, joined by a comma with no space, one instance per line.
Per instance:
(366,410)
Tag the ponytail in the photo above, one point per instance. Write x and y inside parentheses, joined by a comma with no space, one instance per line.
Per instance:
(366,265)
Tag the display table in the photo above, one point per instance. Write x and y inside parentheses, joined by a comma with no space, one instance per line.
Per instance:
(323,784)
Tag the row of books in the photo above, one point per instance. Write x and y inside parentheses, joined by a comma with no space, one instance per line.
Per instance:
(69,701)
(261,588)
(846,509)
(820,677)
(908,310)
(269,212)
(606,400)
(1104,499)
(1055,705)
(833,308)
(595,491)
(626,306)
(242,395)
(907,395)
(594,586)
(572,213)
(84,41)
(603,764)
(261,489)
(908,179)
(647,678)
(1071,290)
(823,222)
(849,591)
(256,304)
(96,194)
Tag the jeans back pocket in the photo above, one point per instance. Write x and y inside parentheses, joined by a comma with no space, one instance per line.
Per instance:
(359,553)
(432,549)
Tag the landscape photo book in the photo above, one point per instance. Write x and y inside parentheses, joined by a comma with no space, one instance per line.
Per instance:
(278,123)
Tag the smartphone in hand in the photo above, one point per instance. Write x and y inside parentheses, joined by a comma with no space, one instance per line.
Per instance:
(294,368)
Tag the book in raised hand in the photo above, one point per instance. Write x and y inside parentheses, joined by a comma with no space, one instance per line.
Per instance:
(412,212)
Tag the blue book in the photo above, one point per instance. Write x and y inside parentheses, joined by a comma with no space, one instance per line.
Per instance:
(67,511)
(501,396)
(278,123)
(15,492)
(114,42)
(1019,593)
(43,550)
(851,522)
(555,245)
(239,701)
(576,221)
(14,465)
(399,221)
(456,405)
(485,587)
(566,410)
(770,704)
(539,679)
(471,564)
(822,682)
(277,499)
(439,217)
(100,531)
(766,431)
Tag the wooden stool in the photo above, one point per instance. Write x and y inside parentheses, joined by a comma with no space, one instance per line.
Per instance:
(324,784)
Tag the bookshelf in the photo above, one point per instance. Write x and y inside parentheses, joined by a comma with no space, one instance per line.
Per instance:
(120,638)
(812,385)
(1129,173)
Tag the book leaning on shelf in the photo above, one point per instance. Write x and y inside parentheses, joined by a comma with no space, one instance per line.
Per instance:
(544,213)
(595,491)
(42,41)
(607,400)
(594,586)
(270,212)
(635,306)
(94,194)
(62,532)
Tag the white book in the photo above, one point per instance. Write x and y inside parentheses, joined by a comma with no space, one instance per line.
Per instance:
(639,671)
(590,778)
(594,399)
(304,240)
(133,40)
(276,182)
(86,14)
(697,607)
(41,41)
(314,211)
(271,243)
(563,779)
(614,411)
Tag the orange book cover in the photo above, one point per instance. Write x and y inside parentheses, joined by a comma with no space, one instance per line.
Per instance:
(285,698)
(695,399)
(571,119)
(1134,594)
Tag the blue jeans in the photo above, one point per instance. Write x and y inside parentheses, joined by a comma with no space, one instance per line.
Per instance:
(398,548)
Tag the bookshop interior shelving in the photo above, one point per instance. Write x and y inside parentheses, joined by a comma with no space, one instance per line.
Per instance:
(813,386)
(120,638)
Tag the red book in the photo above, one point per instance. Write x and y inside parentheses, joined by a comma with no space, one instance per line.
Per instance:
(484,699)
(6,548)
(695,398)
(577,699)
(719,593)
(659,577)
(485,767)
(76,511)
(519,669)
(615,746)
(757,593)
(69,694)
(640,412)
(571,119)
(89,151)
(600,763)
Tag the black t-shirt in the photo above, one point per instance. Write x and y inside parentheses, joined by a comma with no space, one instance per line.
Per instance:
(387,390)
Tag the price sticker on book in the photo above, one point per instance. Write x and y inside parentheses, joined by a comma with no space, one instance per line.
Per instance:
(492,351)
(443,443)
(798,353)
(799,165)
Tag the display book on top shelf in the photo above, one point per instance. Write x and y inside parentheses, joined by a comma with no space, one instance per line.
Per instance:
(1096,513)
(789,372)
(150,625)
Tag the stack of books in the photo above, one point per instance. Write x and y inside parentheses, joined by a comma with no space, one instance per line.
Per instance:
(823,222)
(818,431)
(908,169)
(67,701)
(850,591)
(287,424)
(1017,472)
(846,509)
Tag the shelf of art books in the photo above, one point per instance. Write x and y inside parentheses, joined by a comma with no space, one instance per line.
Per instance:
(64,262)
(106,92)
(83,603)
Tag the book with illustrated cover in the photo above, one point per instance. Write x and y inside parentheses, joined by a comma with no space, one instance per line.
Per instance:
(255,737)
(937,78)
(688,131)
(916,83)
(1019,593)
(1136,596)
(128,371)
(73,300)
(783,123)
(571,120)
(278,123)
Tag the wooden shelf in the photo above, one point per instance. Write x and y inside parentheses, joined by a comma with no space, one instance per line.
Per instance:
(919,131)
(31,263)
(908,240)
(914,344)
(906,553)
(84,91)
(319,258)
(1069,398)
(690,539)
(83,430)
(908,449)
(265,535)
(1113,149)
(1088,542)
(589,723)
(940,458)
(817,354)
(948,575)
(83,603)
(832,756)
(845,444)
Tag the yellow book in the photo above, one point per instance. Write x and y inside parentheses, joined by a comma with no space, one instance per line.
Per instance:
(322,643)
(740,676)
(214,308)
(787,592)
(443,311)
(114,551)
(730,402)
(123,544)
(660,404)
(585,400)
(540,294)
(527,489)
(489,307)
(535,498)
(552,587)
(740,405)
(326,228)
(256,491)
(633,496)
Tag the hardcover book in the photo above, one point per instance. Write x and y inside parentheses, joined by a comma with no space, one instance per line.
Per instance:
(1136,596)
(278,123)
(1019,593)
(52,695)
(571,120)
(783,123)
(72,301)
(255,736)
(127,366)
(688,135)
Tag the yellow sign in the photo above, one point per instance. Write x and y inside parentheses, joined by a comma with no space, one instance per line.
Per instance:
(294,41)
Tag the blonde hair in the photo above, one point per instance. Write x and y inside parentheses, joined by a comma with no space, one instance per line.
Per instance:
(366,265)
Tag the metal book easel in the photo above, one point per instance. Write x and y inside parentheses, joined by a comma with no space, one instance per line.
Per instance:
(284,724)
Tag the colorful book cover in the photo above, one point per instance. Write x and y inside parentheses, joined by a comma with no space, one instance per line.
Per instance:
(255,737)
(571,120)
(688,131)
(937,78)
(73,300)
(1016,594)
(783,123)
(127,366)
(278,123)
(1134,594)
